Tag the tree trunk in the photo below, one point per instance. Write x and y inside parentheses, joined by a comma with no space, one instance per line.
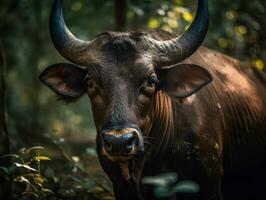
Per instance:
(262,33)
(5,185)
(34,57)
(120,15)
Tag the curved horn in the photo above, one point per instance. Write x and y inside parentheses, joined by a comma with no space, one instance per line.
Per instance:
(65,42)
(178,49)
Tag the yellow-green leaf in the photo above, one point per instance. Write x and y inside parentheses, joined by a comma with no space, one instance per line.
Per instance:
(39,179)
(42,158)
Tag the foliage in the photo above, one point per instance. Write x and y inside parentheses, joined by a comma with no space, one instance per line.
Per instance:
(75,181)
(26,169)
(166,185)
(46,181)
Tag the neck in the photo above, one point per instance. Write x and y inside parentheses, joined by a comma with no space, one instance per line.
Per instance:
(161,132)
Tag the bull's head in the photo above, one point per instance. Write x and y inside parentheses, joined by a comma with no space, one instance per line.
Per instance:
(122,73)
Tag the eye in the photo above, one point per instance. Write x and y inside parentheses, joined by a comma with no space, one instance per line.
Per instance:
(147,89)
(152,81)
(90,84)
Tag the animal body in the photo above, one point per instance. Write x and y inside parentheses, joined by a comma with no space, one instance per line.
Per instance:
(163,103)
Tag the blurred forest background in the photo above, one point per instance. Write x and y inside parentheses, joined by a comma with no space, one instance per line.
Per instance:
(30,114)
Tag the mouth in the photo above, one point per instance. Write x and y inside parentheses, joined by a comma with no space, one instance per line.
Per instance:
(126,162)
(123,161)
(124,166)
(120,157)
(123,147)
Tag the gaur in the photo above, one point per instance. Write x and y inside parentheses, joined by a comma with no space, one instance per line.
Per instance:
(163,103)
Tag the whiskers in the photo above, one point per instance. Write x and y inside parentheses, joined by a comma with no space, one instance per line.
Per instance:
(148,140)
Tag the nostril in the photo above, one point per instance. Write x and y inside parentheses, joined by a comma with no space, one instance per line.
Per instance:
(107,144)
(131,142)
(131,139)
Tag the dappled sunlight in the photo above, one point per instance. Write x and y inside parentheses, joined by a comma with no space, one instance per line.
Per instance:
(58,127)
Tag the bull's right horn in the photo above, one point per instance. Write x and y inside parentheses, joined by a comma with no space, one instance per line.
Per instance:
(65,42)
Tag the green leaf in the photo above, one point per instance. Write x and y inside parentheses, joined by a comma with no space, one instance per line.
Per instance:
(10,155)
(91,151)
(22,179)
(162,192)
(29,195)
(34,148)
(186,187)
(59,140)
(47,190)
(75,159)
(42,158)
(25,166)
(160,180)
(5,170)
(22,150)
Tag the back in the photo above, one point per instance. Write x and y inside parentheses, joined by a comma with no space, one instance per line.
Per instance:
(233,106)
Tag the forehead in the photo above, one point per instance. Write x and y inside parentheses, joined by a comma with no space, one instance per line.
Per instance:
(120,47)
(119,55)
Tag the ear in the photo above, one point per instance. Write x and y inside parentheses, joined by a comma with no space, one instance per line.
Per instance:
(183,80)
(64,79)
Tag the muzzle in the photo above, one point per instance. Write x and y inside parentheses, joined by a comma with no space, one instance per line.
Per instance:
(120,142)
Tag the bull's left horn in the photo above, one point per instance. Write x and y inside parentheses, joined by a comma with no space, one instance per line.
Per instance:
(177,49)
(65,42)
